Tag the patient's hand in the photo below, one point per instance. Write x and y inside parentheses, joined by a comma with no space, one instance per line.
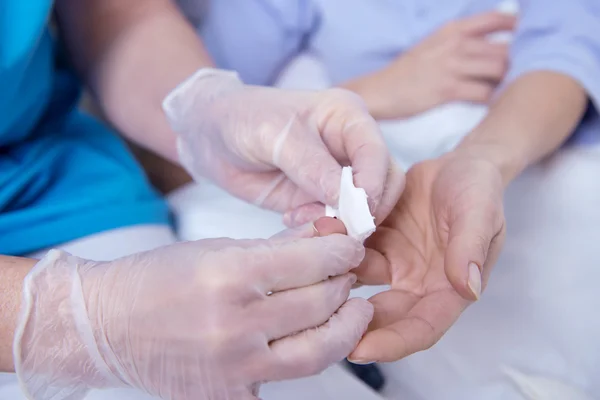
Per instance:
(456,63)
(447,227)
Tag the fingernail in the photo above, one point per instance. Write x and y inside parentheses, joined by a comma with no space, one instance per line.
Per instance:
(287,218)
(361,362)
(474,282)
(315,230)
(353,279)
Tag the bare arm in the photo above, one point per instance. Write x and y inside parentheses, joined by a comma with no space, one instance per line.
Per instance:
(531,119)
(12,273)
(132,54)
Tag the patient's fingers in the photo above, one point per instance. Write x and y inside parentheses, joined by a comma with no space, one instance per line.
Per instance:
(473,91)
(484,68)
(374,270)
(483,48)
(487,23)
(404,324)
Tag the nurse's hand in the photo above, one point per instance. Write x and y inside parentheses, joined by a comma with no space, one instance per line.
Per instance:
(436,250)
(282,150)
(206,320)
(455,63)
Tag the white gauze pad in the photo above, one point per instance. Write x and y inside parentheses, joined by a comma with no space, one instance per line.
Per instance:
(353,209)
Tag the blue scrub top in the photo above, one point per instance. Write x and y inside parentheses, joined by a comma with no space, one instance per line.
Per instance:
(63,175)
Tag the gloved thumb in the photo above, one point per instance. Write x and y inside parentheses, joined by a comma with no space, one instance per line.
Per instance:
(304,158)
(474,241)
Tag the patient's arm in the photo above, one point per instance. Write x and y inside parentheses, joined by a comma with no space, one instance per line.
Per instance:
(455,63)
(12,273)
(531,118)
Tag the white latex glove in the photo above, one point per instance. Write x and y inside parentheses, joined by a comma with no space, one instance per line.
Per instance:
(282,150)
(206,320)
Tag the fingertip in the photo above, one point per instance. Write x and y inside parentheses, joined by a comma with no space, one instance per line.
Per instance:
(364,307)
(379,346)
(325,226)
(356,313)
(304,214)
(458,276)
(462,271)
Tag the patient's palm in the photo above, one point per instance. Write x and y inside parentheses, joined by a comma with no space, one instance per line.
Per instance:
(448,210)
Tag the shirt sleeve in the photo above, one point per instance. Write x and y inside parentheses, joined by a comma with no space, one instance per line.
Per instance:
(257,38)
(561,36)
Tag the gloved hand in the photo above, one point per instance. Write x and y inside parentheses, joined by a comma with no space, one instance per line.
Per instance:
(436,250)
(282,150)
(206,320)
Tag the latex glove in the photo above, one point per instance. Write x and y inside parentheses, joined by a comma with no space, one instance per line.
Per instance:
(282,150)
(206,320)
(436,250)
(458,62)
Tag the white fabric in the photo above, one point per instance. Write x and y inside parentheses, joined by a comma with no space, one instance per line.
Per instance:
(539,312)
(353,208)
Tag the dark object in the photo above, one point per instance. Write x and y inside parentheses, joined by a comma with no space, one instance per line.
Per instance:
(369,374)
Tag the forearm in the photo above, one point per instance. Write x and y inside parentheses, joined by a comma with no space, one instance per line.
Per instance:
(532,118)
(369,90)
(12,273)
(132,54)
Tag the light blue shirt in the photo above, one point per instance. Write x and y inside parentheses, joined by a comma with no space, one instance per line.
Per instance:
(63,175)
(355,37)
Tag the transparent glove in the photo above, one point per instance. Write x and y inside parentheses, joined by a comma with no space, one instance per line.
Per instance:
(282,150)
(206,320)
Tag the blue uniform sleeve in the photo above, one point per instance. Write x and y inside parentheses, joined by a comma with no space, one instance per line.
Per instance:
(559,36)
(257,38)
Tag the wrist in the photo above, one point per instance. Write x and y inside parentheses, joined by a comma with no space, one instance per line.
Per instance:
(54,331)
(197,91)
(509,161)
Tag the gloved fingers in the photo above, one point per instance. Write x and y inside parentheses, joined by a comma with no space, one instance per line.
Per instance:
(472,237)
(271,190)
(301,262)
(405,324)
(369,159)
(304,308)
(321,227)
(312,351)
(300,153)
(353,136)
(304,214)
(394,186)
